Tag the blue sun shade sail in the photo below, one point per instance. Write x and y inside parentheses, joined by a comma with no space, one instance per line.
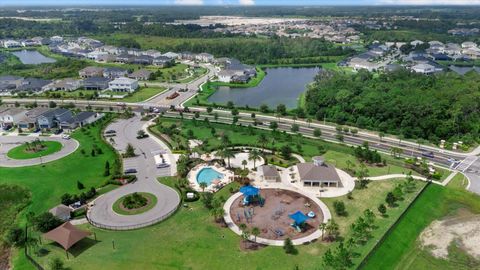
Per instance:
(299,217)
(249,191)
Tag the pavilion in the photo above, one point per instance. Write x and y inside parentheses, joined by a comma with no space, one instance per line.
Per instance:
(299,219)
(66,235)
(249,193)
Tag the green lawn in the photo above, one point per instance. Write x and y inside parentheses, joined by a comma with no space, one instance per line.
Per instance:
(459,182)
(401,250)
(143,94)
(152,202)
(23,151)
(190,236)
(336,154)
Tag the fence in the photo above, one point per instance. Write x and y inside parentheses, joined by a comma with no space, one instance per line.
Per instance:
(392,227)
(30,258)
(132,227)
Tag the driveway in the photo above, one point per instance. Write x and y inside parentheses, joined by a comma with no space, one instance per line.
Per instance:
(9,142)
(102,214)
(473,174)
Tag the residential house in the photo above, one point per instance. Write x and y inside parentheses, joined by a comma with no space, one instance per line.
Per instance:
(205,57)
(32,85)
(108,58)
(472,53)
(79,120)
(141,75)
(9,117)
(61,212)
(91,71)
(29,43)
(423,68)
(56,39)
(95,55)
(162,61)
(469,45)
(187,56)
(134,51)
(142,60)
(11,44)
(124,58)
(114,72)
(51,118)
(29,121)
(318,174)
(96,83)
(123,84)
(171,55)
(235,71)
(152,53)
(269,173)
(67,84)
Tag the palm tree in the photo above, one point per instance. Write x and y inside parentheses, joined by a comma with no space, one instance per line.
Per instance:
(254,155)
(309,121)
(203,186)
(322,228)
(262,140)
(255,232)
(226,153)
(244,163)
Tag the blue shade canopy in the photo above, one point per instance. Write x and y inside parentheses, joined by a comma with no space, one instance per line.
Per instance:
(249,191)
(299,217)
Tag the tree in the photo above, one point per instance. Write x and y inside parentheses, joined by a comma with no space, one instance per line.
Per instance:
(52,104)
(339,137)
(92,153)
(322,228)
(226,154)
(289,247)
(107,169)
(396,152)
(286,152)
(254,155)
(273,125)
(390,199)
(264,108)
(234,112)
(281,109)
(203,186)
(252,115)
(255,232)
(129,151)
(332,229)
(46,222)
(317,132)
(295,128)
(56,264)
(80,185)
(340,258)
(15,236)
(339,207)
(262,140)
(244,164)
(209,109)
(382,209)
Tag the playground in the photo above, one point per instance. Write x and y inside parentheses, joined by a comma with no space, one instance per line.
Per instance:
(277,213)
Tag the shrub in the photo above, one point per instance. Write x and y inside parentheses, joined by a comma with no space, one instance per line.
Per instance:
(289,247)
(339,207)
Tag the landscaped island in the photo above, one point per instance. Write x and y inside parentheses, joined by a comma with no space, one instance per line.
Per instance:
(135,203)
(34,149)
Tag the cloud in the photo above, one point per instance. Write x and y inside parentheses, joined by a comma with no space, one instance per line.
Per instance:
(246,2)
(189,2)
(430,2)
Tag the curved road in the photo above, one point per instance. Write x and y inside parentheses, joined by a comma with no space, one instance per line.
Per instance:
(9,142)
(102,214)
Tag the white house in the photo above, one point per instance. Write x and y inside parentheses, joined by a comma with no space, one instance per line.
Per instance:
(424,68)
(56,39)
(11,116)
(123,84)
(416,43)
(171,55)
(205,57)
(468,45)
(152,53)
(11,44)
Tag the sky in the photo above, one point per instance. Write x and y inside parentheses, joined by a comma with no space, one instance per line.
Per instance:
(239,2)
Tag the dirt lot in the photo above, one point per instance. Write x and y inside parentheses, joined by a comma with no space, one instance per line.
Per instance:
(273,215)
(463,229)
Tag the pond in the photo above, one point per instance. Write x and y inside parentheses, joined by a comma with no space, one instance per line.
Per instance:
(280,86)
(32,57)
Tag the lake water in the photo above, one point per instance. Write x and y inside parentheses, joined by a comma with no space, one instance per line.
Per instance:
(280,86)
(31,57)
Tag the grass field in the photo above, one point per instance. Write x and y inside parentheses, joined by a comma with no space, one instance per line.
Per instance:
(336,154)
(401,250)
(150,197)
(21,151)
(143,94)
(190,236)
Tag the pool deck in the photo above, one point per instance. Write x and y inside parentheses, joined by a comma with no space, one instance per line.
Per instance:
(192,177)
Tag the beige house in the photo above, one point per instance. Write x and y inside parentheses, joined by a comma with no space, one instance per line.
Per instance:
(318,174)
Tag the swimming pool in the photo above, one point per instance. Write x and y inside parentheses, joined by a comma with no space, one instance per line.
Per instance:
(207,175)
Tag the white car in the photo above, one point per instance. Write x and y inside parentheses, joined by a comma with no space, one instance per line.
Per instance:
(66,137)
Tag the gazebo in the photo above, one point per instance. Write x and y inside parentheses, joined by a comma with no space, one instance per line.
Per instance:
(249,192)
(66,235)
(299,219)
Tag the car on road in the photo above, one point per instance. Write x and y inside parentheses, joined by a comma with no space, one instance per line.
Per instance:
(428,154)
(110,131)
(66,137)
(58,131)
(130,171)
(163,165)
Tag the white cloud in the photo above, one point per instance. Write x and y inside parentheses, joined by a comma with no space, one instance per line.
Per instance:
(430,2)
(246,2)
(188,2)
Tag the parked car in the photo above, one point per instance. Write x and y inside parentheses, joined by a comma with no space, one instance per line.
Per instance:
(110,131)
(428,154)
(130,171)
(58,131)
(66,137)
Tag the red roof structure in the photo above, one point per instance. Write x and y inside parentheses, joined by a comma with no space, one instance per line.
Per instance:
(66,235)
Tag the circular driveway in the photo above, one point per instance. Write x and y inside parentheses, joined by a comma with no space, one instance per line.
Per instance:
(102,214)
(9,142)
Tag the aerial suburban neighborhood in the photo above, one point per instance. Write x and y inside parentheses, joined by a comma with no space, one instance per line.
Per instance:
(239,135)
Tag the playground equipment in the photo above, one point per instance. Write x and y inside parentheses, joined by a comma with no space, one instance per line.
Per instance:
(299,219)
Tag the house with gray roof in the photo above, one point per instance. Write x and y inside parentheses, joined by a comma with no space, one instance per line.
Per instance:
(9,117)
(318,174)
(114,72)
(29,120)
(89,72)
(141,74)
(96,83)
(269,173)
(51,118)
(61,211)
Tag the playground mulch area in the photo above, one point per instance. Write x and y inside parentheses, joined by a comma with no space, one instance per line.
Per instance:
(272,219)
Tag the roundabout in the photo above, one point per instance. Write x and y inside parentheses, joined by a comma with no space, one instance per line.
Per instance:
(135,203)
(23,151)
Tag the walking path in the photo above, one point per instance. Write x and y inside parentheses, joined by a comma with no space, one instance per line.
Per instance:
(315,235)
(9,142)
(102,214)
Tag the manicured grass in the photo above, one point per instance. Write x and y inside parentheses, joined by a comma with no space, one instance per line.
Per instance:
(400,250)
(459,182)
(190,236)
(173,74)
(152,201)
(143,94)
(22,151)
(336,154)
(48,182)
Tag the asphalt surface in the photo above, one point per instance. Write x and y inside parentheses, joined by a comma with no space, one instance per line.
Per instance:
(9,142)
(145,149)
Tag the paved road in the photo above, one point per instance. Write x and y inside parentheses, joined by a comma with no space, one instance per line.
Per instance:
(9,142)
(472,171)
(168,199)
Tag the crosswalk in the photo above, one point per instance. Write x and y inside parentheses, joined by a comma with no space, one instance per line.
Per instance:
(466,163)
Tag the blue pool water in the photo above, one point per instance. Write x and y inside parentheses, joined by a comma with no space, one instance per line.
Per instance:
(207,175)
